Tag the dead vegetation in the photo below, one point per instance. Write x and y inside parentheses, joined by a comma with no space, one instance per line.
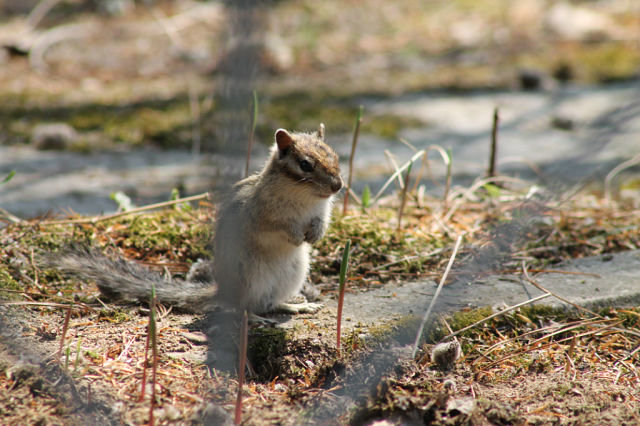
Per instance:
(586,365)
(530,365)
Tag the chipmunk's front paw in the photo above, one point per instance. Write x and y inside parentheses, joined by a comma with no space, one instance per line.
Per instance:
(314,230)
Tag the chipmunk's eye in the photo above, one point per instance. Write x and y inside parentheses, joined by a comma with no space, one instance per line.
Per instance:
(306,166)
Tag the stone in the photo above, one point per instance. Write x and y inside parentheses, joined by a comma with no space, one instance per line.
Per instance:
(54,136)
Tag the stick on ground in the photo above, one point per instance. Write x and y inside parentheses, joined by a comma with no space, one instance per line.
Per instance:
(435,296)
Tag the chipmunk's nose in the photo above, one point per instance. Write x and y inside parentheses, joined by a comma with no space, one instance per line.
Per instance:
(336,184)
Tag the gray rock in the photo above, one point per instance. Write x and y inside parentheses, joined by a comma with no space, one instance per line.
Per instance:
(56,136)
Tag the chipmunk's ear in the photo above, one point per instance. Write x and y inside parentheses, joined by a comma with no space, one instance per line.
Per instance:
(320,132)
(283,139)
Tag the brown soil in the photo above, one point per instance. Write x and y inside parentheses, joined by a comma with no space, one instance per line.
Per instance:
(296,376)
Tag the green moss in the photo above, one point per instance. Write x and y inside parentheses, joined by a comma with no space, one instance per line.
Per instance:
(136,124)
(462,319)
(402,329)
(265,347)
(588,62)
(168,230)
(375,243)
(539,312)
(303,111)
(114,315)
(7,282)
(609,62)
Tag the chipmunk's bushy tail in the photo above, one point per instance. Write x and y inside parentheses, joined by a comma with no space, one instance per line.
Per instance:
(123,280)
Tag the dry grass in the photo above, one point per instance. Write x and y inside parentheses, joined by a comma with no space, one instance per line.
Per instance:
(522,346)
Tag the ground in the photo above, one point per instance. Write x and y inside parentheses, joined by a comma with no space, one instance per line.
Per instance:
(535,365)
(66,357)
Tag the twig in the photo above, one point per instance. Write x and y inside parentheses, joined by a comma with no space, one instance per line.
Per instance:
(558,271)
(154,350)
(48,304)
(242,366)
(48,38)
(478,184)
(143,386)
(194,107)
(354,142)
(446,158)
(254,120)
(513,339)
(403,199)
(406,259)
(540,287)
(571,327)
(355,197)
(455,338)
(96,219)
(435,296)
(491,170)
(343,285)
(614,172)
(65,327)
(516,353)
(394,164)
(40,11)
(396,174)
(8,217)
(497,314)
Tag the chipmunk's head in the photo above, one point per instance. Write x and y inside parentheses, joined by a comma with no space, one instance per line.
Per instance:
(308,160)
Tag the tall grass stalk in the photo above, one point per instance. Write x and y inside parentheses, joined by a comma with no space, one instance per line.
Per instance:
(341,290)
(491,169)
(614,172)
(403,198)
(397,173)
(354,143)
(244,333)
(65,327)
(154,350)
(150,341)
(252,132)
(435,296)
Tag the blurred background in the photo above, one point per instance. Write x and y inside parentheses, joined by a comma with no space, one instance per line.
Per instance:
(98,96)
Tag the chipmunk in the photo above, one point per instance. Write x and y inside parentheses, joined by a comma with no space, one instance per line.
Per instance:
(261,243)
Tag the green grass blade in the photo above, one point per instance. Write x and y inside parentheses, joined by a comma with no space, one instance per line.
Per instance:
(9,176)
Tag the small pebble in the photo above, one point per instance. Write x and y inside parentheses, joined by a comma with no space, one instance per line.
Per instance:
(444,355)
(57,136)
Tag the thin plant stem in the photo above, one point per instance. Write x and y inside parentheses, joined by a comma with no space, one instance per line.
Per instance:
(354,143)
(614,172)
(541,288)
(491,170)
(75,364)
(341,291)
(65,327)
(497,314)
(252,132)
(196,134)
(154,350)
(244,333)
(395,175)
(435,296)
(95,219)
(144,368)
(447,185)
(403,198)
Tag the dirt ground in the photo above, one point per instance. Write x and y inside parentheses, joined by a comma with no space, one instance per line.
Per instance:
(301,379)
(514,371)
